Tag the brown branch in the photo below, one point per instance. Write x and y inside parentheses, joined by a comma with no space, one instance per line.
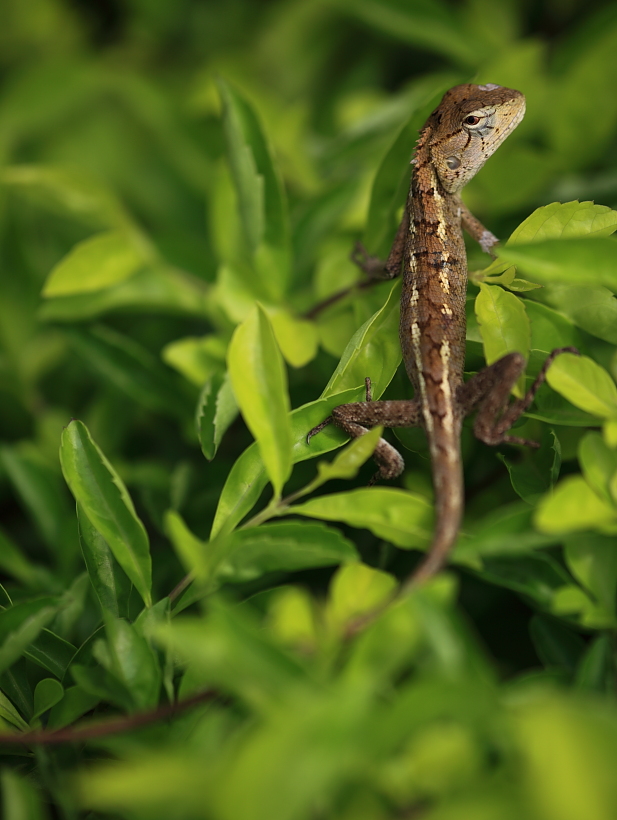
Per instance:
(74,734)
(336,297)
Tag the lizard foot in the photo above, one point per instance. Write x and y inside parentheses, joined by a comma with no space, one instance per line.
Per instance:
(318,429)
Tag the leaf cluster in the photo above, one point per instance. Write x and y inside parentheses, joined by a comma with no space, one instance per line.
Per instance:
(181,187)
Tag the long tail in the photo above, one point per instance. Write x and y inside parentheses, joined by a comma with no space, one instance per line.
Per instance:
(449,492)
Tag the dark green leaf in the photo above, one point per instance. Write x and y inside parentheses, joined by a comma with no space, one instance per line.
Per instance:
(107,504)
(555,644)
(75,703)
(285,547)
(48,692)
(110,582)
(133,370)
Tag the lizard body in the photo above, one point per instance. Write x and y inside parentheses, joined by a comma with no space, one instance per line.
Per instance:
(470,123)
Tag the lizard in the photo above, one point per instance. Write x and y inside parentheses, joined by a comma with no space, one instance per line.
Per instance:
(465,129)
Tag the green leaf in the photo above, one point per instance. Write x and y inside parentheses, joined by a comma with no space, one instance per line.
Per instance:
(506,531)
(297,338)
(393,175)
(567,749)
(133,370)
(573,505)
(595,671)
(13,562)
(75,703)
(20,625)
(47,693)
(109,581)
(72,191)
(192,551)
(555,644)
(248,478)
(374,351)
(51,652)
(584,383)
(96,263)
(592,559)
(21,799)
(43,494)
(157,288)
(227,649)
(598,463)
(504,325)
(107,504)
(566,220)
(536,575)
(592,309)
(216,411)
(355,590)
(282,547)
(347,463)
(550,329)
(10,714)
(590,76)
(400,517)
(259,382)
(586,262)
(537,473)
(197,358)
(261,199)
(428,25)
(130,659)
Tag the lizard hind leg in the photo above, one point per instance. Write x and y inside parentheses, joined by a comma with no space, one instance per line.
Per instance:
(489,391)
(357,418)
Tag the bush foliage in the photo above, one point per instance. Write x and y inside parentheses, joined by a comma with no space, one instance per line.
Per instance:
(183,630)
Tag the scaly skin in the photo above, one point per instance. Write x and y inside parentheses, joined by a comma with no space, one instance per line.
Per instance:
(467,127)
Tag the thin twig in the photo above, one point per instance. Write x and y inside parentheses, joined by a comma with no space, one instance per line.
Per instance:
(336,297)
(74,734)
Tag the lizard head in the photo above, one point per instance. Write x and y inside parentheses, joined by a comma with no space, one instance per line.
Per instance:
(467,127)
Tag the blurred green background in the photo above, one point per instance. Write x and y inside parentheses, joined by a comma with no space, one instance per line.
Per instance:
(110,126)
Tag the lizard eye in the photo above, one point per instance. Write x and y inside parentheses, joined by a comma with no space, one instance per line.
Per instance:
(472,119)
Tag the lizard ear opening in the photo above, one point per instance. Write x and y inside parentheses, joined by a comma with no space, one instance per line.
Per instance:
(453,163)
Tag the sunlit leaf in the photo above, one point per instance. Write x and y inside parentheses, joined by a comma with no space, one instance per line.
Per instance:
(107,504)
(96,263)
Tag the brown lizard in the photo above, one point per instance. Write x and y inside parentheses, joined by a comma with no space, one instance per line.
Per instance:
(464,130)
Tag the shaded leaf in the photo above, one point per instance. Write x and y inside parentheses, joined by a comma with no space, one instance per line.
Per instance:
(47,693)
(111,584)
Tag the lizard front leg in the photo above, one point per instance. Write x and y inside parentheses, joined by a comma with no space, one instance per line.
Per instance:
(358,417)
(485,239)
(489,391)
